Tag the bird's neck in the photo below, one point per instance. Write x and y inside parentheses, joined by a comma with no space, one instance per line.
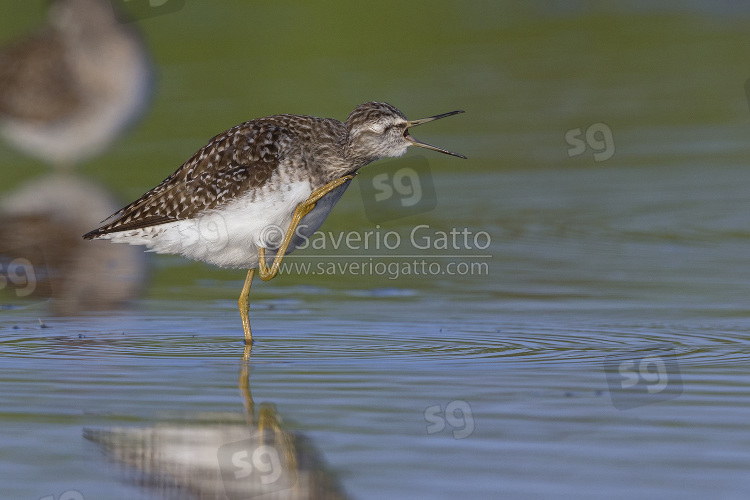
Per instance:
(337,157)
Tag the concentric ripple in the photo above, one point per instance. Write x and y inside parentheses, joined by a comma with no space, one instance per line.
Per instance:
(303,337)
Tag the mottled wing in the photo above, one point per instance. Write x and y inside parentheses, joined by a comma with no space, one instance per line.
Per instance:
(239,160)
(36,83)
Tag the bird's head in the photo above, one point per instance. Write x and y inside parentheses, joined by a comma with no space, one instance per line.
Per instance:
(379,130)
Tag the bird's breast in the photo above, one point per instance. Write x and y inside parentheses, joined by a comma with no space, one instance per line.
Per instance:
(313,220)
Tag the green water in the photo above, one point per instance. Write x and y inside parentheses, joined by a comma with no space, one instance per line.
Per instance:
(633,241)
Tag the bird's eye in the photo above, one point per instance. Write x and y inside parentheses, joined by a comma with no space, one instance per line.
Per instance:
(378,128)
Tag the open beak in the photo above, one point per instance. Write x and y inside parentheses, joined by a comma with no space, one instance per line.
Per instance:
(415,142)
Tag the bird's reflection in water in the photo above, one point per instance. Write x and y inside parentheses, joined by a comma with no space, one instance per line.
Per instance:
(42,254)
(234,456)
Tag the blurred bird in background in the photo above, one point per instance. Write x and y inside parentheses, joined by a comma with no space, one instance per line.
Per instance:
(67,91)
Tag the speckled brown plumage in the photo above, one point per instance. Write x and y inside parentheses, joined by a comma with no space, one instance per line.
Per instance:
(27,67)
(260,154)
(265,155)
(69,87)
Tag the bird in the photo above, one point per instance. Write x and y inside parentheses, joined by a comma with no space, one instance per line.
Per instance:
(265,184)
(67,90)
(70,87)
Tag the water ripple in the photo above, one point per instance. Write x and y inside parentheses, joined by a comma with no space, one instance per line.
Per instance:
(310,338)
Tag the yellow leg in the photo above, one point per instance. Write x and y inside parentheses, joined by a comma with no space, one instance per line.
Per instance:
(244,384)
(267,273)
(302,209)
(244,304)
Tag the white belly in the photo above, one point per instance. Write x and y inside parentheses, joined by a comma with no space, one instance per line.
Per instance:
(230,237)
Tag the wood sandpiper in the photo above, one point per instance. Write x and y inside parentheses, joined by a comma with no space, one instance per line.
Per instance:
(263,179)
(68,89)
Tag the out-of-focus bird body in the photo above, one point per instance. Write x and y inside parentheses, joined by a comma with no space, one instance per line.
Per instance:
(67,90)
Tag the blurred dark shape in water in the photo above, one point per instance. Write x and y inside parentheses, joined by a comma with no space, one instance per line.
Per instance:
(42,254)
